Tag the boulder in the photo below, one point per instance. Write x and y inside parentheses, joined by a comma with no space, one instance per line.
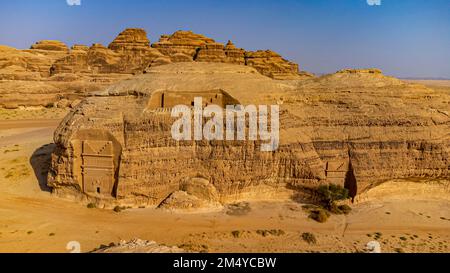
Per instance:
(131,39)
(200,188)
(138,246)
(271,64)
(50,45)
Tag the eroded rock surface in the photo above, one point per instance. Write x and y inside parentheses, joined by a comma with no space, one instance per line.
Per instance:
(139,246)
(54,67)
(386,128)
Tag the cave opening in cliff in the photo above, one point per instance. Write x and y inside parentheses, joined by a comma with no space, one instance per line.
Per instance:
(350,182)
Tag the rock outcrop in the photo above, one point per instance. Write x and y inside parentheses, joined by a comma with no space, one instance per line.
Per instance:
(186,46)
(129,54)
(184,42)
(271,64)
(139,246)
(196,194)
(49,45)
(132,39)
(234,55)
(386,128)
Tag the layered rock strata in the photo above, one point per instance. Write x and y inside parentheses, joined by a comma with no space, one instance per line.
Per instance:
(386,128)
(57,68)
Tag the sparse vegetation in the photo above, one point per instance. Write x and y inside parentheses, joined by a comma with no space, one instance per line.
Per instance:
(18,171)
(273,232)
(319,215)
(329,195)
(50,105)
(309,238)
(119,209)
(11,150)
(238,209)
(340,209)
(399,250)
(237,233)
(201,248)
(378,235)
(332,193)
(91,206)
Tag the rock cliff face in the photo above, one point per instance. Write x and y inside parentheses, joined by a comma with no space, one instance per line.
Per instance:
(184,42)
(131,53)
(57,67)
(117,148)
(185,46)
(132,39)
(234,55)
(271,64)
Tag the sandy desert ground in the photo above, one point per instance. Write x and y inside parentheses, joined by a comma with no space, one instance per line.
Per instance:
(432,83)
(32,220)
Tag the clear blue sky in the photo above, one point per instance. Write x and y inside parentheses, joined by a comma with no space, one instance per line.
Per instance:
(406,38)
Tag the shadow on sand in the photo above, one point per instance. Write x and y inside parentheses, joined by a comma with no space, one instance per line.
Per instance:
(40,161)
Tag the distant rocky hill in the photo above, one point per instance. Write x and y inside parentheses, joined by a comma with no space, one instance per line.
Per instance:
(66,74)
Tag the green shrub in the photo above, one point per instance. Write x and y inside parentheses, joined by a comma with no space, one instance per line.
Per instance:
(309,238)
(339,209)
(319,215)
(91,206)
(399,250)
(334,208)
(117,209)
(237,233)
(331,193)
(346,209)
(273,232)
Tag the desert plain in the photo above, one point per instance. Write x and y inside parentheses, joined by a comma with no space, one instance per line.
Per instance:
(393,132)
(32,220)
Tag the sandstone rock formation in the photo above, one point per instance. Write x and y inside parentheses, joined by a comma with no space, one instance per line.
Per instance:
(132,39)
(117,148)
(139,246)
(271,64)
(185,42)
(196,194)
(49,45)
(80,47)
(185,46)
(234,55)
(52,64)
